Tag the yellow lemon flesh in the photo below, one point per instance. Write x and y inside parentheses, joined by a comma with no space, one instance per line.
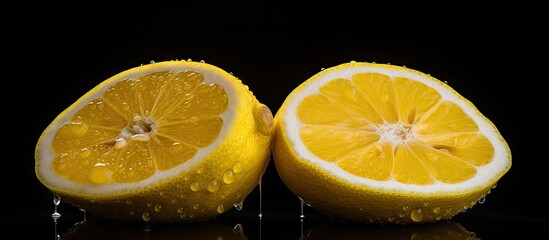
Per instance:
(382,143)
(167,141)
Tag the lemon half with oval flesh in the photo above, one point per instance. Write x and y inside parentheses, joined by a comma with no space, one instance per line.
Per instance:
(166,141)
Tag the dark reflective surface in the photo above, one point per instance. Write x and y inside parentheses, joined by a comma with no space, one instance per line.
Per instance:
(96,228)
(347,231)
(106,230)
(480,222)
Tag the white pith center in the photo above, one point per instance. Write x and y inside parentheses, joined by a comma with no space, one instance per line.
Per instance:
(395,133)
(140,129)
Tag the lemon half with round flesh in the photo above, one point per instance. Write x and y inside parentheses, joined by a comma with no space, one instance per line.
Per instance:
(382,143)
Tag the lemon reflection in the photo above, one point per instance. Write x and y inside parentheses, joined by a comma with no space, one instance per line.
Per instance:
(105,230)
(347,231)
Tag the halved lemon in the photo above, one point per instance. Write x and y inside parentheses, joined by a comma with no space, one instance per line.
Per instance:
(382,143)
(166,141)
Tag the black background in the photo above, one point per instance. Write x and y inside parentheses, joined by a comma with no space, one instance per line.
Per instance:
(493,56)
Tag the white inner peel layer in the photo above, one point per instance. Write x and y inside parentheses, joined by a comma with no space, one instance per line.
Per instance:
(485,173)
(47,155)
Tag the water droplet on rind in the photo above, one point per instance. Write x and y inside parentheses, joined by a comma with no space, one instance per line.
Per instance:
(195,186)
(237,167)
(213,186)
(228,177)
(158,208)
(263,118)
(146,216)
(220,208)
(417,215)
